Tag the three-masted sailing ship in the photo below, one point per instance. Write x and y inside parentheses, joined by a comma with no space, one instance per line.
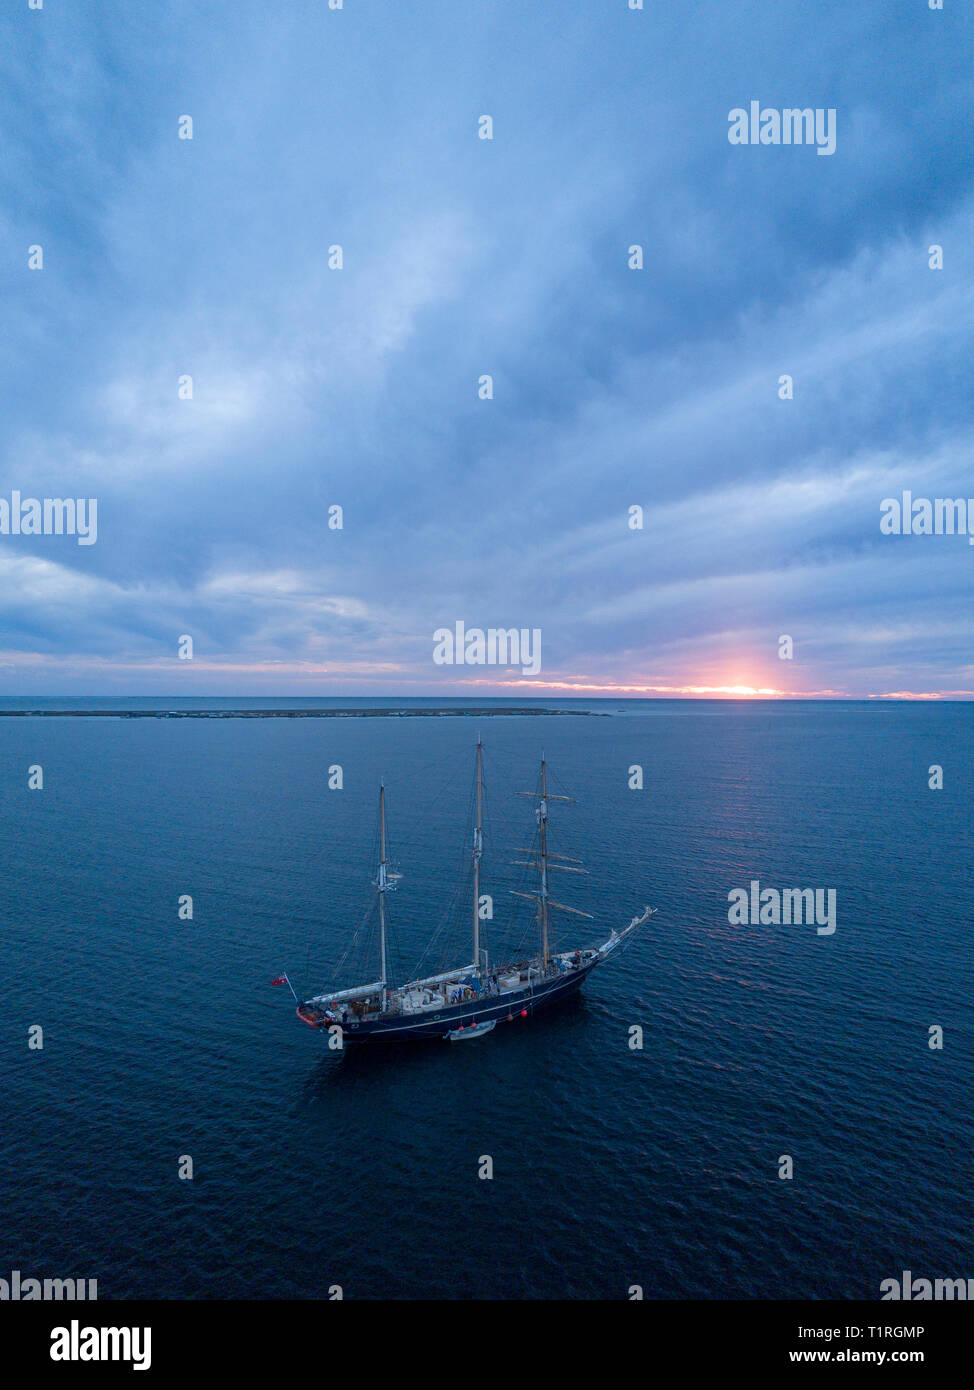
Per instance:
(473,999)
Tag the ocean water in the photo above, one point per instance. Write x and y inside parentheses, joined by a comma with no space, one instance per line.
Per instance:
(612,1166)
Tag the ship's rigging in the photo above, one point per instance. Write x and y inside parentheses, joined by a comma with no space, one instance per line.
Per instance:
(478,991)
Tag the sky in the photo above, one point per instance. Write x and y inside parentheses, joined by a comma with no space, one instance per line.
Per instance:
(360,386)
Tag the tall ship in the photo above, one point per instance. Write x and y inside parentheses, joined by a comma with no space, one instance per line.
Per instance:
(471,1000)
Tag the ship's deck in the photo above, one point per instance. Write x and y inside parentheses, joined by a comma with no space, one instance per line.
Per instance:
(425,997)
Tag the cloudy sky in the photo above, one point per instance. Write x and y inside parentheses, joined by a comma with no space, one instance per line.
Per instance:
(358,387)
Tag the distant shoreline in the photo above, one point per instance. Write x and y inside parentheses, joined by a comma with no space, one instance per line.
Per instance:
(423,713)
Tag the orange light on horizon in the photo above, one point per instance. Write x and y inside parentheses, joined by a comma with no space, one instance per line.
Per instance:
(616,688)
(745,690)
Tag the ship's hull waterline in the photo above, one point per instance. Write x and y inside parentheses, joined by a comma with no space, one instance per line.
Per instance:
(437,1024)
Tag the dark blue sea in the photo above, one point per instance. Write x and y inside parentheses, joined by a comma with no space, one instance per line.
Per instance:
(612,1166)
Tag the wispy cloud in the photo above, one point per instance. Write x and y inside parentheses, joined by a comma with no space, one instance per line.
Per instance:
(314,386)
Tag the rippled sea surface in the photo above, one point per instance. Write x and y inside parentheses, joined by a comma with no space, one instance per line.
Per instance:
(612,1167)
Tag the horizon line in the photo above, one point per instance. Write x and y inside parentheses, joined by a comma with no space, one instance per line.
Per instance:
(738,696)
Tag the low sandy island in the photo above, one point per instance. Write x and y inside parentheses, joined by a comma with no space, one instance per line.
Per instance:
(279,713)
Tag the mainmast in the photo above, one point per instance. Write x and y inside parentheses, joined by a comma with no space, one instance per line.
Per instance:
(478,849)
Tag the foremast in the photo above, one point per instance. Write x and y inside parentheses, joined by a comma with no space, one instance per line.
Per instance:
(543,865)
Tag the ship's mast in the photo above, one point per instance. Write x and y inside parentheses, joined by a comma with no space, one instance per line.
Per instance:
(542,898)
(382,886)
(478,849)
(543,895)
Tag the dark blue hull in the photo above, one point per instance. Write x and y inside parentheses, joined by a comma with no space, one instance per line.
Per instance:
(420,1027)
